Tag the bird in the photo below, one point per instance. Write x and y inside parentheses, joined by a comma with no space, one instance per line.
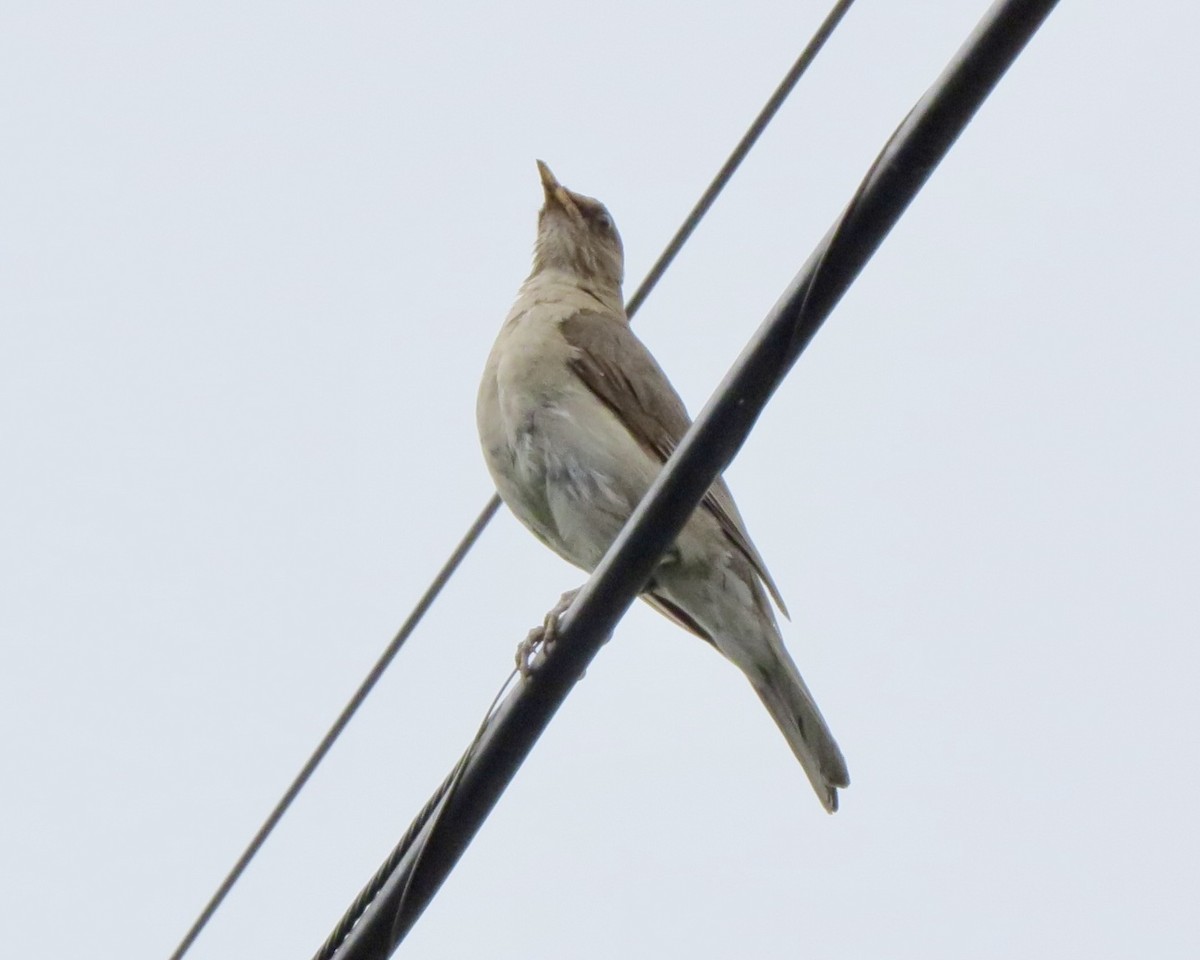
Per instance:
(576,418)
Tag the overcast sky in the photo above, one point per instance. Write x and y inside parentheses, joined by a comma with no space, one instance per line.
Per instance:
(252,258)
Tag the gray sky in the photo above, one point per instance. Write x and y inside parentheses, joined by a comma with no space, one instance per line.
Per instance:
(252,258)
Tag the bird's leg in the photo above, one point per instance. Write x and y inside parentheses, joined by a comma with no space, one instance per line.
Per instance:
(542,638)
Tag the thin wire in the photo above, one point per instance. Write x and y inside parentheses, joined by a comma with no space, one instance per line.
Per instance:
(765,116)
(450,567)
(385,659)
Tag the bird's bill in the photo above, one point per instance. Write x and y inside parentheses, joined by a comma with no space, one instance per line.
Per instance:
(556,194)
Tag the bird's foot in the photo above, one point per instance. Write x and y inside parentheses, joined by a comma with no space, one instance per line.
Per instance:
(540,639)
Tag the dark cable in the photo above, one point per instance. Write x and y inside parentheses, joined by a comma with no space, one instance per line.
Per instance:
(472,535)
(433,805)
(906,162)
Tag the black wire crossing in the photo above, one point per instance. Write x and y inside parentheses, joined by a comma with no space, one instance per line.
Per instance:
(786,85)
(435,842)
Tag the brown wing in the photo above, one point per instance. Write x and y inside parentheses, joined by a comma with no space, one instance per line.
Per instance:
(616,366)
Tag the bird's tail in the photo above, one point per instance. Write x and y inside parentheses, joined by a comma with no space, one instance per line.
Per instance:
(784,694)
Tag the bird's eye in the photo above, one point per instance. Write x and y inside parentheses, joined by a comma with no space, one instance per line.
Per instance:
(603,222)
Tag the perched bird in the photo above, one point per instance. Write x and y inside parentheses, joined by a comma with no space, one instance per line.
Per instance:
(576,419)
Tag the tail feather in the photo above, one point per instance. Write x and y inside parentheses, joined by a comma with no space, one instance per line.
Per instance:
(794,711)
(722,601)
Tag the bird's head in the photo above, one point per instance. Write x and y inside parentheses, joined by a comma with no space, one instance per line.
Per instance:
(577,235)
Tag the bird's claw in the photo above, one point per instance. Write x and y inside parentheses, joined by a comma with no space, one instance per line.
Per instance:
(527,651)
(537,643)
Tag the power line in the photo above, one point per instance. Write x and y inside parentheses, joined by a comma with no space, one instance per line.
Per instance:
(348,711)
(765,116)
(469,539)
(434,844)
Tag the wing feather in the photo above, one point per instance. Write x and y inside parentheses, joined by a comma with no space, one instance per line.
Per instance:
(616,366)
